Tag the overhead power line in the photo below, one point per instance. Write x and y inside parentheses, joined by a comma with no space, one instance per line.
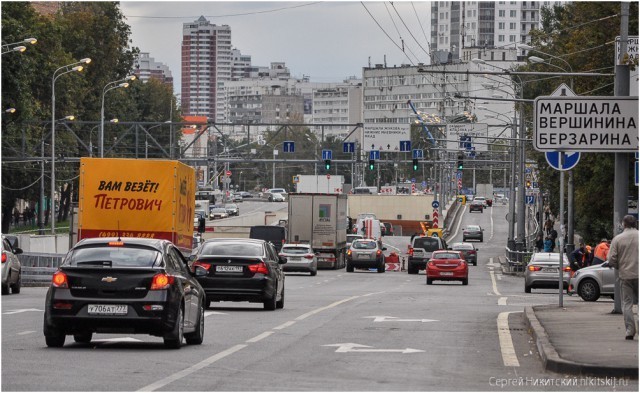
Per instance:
(226,15)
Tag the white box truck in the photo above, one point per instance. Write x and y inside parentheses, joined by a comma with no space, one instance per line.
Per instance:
(320,220)
(324,184)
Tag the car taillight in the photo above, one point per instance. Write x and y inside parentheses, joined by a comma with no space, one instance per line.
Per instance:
(348,252)
(308,256)
(534,268)
(4,257)
(259,268)
(379,252)
(567,269)
(410,251)
(161,281)
(204,265)
(59,280)
(472,253)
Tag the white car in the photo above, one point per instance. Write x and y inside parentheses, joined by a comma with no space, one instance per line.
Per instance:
(483,200)
(218,212)
(300,258)
(276,197)
(11,268)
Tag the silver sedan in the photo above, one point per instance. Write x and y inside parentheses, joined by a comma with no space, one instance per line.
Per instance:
(593,281)
(300,258)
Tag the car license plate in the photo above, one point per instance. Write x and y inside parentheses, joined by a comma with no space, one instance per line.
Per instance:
(446,273)
(363,256)
(550,270)
(229,269)
(108,309)
(293,259)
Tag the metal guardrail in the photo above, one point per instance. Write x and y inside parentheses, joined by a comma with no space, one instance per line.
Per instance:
(37,275)
(37,268)
(517,260)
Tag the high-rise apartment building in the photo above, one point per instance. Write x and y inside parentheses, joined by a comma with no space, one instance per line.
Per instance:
(145,67)
(207,60)
(487,24)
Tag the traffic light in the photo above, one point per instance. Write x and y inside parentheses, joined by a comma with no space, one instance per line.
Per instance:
(460,162)
(327,164)
(528,184)
(415,164)
(372,165)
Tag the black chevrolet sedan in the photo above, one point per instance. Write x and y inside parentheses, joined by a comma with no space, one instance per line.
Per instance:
(125,286)
(241,270)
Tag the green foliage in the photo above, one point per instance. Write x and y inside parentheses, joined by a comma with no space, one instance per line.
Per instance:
(570,33)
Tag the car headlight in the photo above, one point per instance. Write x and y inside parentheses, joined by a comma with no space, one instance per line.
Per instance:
(576,274)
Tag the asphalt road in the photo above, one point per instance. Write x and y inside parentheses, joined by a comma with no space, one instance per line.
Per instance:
(338,331)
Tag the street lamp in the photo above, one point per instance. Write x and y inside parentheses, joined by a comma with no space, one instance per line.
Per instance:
(73,67)
(19,48)
(122,83)
(10,110)
(146,135)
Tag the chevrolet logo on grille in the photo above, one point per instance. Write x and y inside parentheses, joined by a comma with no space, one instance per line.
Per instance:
(109,279)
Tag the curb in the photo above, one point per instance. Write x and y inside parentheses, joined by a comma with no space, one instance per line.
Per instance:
(505,268)
(552,361)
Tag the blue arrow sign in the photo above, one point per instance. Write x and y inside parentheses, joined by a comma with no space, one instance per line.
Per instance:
(636,172)
(349,147)
(327,155)
(458,175)
(530,199)
(465,142)
(435,204)
(417,153)
(288,146)
(571,159)
(374,155)
(405,146)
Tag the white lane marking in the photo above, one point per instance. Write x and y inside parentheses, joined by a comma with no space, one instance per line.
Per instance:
(284,325)
(502,301)
(190,370)
(458,226)
(493,283)
(396,319)
(22,310)
(259,337)
(26,332)
(491,217)
(352,347)
(207,313)
(509,357)
(212,359)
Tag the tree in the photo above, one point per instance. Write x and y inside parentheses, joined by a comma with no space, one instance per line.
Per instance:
(582,33)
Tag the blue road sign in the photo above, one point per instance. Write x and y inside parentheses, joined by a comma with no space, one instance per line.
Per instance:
(637,174)
(534,184)
(405,146)
(327,155)
(417,153)
(458,175)
(413,180)
(530,199)
(465,142)
(527,170)
(424,183)
(349,147)
(571,159)
(288,147)
(435,204)
(374,155)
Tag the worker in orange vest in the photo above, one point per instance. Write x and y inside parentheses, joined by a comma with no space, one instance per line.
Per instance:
(601,252)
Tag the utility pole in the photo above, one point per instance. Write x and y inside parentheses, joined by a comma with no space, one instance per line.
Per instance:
(621,177)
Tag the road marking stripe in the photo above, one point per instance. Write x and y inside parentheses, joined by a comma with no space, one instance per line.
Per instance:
(509,357)
(259,337)
(493,281)
(339,302)
(502,301)
(26,332)
(284,325)
(190,370)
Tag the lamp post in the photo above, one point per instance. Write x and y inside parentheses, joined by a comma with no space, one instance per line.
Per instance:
(73,67)
(108,87)
(16,47)
(146,143)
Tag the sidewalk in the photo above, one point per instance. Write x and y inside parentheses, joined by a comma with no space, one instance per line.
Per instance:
(583,338)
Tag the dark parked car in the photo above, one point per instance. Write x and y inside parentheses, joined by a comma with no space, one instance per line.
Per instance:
(241,270)
(469,252)
(128,285)
(476,206)
(232,209)
(275,234)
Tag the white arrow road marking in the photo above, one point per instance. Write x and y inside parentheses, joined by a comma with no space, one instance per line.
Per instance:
(493,283)
(396,319)
(352,347)
(506,343)
(22,310)
(207,313)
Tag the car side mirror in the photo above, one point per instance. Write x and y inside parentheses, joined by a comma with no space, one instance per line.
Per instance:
(200,271)
(384,248)
(282,260)
(605,264)
(17,250)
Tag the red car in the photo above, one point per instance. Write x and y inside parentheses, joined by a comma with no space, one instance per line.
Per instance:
(447,265)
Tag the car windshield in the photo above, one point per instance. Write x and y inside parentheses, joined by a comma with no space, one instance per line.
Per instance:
(473,228)
(232,249)
(296,250)
(113,256)
(426,243)
(364,245)
(478,199)
(462,247)
(351,238)
(231,206)
(218,210)
(444,255)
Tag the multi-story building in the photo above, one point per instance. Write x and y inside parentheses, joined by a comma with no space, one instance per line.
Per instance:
(487,24)
(207,62)
(337,107)
(145,68)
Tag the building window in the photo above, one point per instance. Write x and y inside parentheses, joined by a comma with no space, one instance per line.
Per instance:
(512,38)
(501,25)
(500,39)
(512,26)
(501,13)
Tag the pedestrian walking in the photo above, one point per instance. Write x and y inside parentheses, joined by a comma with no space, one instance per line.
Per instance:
(548,226)
(548,244)
(554,236)
(539,243)
(601,252)
(623,255)
(25,215)
(16,216)
(547,213)
(577,257)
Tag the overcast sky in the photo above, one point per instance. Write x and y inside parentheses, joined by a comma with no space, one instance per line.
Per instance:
(328,41)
